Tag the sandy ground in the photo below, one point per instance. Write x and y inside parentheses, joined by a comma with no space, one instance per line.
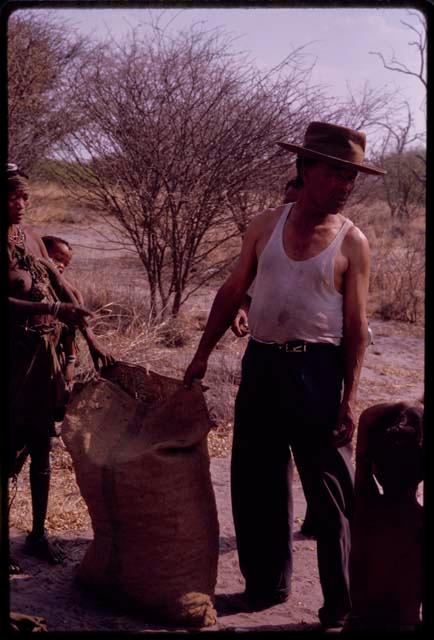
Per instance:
(52,592)
(393,370)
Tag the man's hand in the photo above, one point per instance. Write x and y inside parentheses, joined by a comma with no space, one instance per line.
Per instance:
(240,325)
(345,426)
(195,371)
(73,315)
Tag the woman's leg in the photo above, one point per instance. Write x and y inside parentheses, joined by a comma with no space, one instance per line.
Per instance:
(37,542)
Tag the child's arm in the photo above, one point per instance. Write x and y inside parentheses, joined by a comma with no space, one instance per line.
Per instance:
(77,293)
(60,285)
(100,357)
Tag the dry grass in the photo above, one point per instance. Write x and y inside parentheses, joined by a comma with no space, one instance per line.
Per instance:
(397,263)
(49,203)
(67,510)
(397,281)
(125,327)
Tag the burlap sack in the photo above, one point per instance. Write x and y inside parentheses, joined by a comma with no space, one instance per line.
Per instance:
(138,443)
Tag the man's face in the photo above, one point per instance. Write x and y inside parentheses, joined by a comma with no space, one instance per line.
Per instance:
(329,185)
(17,202)
(291,194)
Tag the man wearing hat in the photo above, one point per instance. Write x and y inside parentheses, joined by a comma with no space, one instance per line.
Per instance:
(300,371)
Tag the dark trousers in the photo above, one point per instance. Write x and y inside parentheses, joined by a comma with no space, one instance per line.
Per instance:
(290,401)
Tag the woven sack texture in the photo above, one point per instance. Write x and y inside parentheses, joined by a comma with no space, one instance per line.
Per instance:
(138,441)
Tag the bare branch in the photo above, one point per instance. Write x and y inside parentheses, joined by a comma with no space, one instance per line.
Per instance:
(42,52)
(395,65)
(176,144)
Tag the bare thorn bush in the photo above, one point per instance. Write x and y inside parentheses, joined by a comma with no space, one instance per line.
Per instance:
(179,133)
(398,277)
(43,51)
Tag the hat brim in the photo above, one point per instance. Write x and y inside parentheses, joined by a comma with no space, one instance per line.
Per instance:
(317,155)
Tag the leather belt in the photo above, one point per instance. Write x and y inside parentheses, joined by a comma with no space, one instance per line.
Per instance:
(296,346)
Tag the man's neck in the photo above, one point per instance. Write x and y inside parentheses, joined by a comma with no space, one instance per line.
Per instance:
(305,214)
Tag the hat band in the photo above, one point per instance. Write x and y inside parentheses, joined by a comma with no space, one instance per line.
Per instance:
(349,155)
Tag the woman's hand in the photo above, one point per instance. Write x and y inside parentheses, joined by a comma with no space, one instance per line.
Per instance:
(100,357)
(73,315)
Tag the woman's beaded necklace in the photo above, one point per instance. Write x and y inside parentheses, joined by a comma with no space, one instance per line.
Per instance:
(16,235)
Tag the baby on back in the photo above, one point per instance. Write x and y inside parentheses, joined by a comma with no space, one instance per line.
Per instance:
(60,254)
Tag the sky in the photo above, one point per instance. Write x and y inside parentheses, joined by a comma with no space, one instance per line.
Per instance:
(340,40)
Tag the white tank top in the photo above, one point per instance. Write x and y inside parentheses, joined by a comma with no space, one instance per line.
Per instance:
(296,299)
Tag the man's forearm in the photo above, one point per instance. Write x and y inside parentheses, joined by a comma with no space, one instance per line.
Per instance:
(225,306)
(245,304)
(354,351)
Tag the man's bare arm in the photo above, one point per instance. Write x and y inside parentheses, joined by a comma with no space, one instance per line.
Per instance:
(227,302)
(355,330)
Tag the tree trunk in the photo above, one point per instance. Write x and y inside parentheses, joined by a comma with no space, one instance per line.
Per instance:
(177,300)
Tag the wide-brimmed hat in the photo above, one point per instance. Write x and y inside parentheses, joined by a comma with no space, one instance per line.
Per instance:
(331,142)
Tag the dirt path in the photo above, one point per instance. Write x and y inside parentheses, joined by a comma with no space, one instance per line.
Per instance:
(393,367)
(393,370)
(51,592)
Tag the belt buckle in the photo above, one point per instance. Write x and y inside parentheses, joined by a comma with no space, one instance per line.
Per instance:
(300,348)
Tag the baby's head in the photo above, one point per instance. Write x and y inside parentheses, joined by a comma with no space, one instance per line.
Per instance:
(59,250)
(395,448)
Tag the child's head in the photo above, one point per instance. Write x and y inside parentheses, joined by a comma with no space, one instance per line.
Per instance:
(59,250)
(396,449)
